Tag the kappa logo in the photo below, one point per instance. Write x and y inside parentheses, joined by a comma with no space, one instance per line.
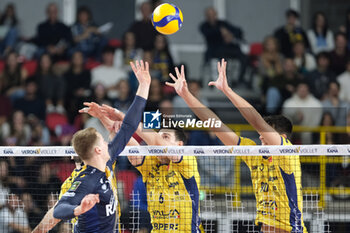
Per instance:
(134,151)
(332,149)
(198,151)
(69,152)
(151,120)
(264,151)
(8,151)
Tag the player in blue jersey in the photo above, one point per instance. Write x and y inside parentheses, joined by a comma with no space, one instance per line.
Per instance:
(92,196)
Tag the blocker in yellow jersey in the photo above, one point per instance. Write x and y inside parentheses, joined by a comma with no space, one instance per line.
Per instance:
(277,188)
(172,194)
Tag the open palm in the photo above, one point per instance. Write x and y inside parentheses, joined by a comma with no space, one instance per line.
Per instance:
(180,84)
(112,113)
(141,71)
(221,82)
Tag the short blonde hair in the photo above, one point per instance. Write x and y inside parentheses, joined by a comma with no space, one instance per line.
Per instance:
(83,142)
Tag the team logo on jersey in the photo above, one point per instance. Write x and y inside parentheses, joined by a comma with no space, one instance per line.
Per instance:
(75,185)
(151,120)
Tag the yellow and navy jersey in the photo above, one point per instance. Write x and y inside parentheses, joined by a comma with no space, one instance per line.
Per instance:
(277,187)
(68,183)
(103,216)
(172,194)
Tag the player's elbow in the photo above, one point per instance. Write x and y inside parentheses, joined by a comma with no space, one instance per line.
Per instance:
(63,211)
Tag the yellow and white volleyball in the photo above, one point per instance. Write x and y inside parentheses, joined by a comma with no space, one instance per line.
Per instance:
(167,18)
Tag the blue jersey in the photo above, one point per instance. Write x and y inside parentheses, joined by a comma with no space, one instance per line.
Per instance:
(102,218)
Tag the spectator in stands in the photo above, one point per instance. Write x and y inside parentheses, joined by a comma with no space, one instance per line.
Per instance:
(334,105)
(212,32)
(339,55)
(344,81)
(180,106)
(270,64)
(45,184)
(5,111)
(31,103)
(155,95)
(290,33)
(303,109)
(148,57)
(230,49)
(13,77)
(319,79)
(17,131)
(143,29)
(320,36)
(79,80)
(304,61)
(106,74)
(12,217)
(346,28)
(124,100)
(4,185)
(40,135)
(8,24)
(281,87)
(86,36)
(33,212)
(51,87)
(127,53)
(162,59)
(53,36)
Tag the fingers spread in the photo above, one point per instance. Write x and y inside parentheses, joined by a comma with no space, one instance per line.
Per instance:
(177,72)
(183,71)
(170,84)
(173,77)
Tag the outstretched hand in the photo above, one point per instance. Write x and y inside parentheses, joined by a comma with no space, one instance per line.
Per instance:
(93,109)
(180,84)
(221,82)
(141,71)
(112,113)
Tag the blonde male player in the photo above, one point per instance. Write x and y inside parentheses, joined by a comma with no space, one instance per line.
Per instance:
(93,195)
(172,182)
(49,222)
(276,180)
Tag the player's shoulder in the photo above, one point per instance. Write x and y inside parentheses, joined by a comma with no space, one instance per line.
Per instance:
(89,175)
(245,142)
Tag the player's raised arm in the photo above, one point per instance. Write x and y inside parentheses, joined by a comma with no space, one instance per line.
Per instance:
(225,134)
(134,114)
(247,110)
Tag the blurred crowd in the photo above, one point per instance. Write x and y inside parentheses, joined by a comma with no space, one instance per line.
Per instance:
(44,81)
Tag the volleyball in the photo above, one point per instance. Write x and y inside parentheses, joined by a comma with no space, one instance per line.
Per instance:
(167,18)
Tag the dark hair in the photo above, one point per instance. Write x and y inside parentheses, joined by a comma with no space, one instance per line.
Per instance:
(40,69)
(30,80)
(322,54)
(14,20)
(179,134)
(325,28)
(280,123)
(335,82)
(324,116)
(86,10)
(340,34)
(291,12)
(108,49)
